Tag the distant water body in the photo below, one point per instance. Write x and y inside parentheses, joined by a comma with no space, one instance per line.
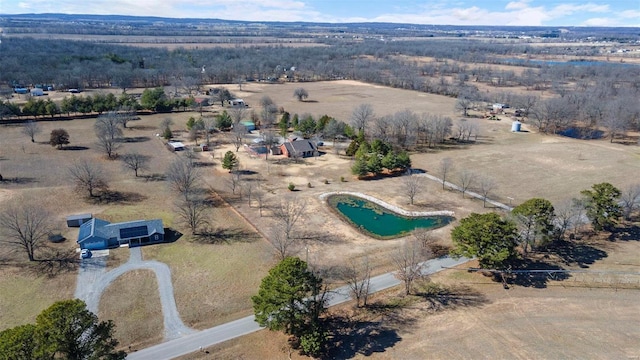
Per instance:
(560,63)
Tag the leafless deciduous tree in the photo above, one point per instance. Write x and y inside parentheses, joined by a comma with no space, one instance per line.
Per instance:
(237,114)
(247,190)
(425,238)
(108,131)
(357,275)
(238,134)
(381,128)
(166,123)
(465,178)
(361,116)
(568,216)
(446,166)
(183,177)
(108,145)
(136,162)
(408,263)
(25,225)
(465,129)
(411,185)
(283,246)
(31,129)
(301,94)
(286,215)
(259,194)
(487,185)
(192,212)
(405,128)
(88,176)
(235,182)
(630,200)
(464,103)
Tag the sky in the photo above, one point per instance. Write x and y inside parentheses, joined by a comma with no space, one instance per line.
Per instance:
(438,12)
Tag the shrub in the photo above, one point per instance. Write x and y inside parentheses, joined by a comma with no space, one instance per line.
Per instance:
(291,187)
(309,185)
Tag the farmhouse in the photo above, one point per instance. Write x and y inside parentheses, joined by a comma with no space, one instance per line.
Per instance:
(98,234)
(298,148)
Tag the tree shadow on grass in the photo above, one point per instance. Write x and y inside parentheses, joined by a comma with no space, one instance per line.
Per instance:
(442,297)
(531,273)
(18,180)
(141,127)
(52,262)
(154,177)
(321,238)
(349,338)
(224,236)
(73,148)
(135,139)
(118,197)
(202,164)
(573,252)
(626,233)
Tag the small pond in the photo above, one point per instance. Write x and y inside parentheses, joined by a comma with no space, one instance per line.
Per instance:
(380,222)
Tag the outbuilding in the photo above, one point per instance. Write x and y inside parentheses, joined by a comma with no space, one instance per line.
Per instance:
(176,145)
(77,220)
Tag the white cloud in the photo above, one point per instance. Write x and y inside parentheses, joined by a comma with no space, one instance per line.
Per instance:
(569,9)
(600,22)
(515,5)
(630,14)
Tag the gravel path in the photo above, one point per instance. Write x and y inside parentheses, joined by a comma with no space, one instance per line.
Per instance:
(470,193)
(93,279)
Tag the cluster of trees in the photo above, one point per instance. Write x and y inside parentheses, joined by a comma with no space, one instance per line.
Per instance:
(151,99)
(536,223)
(406,129)
(65,330)
(374,157)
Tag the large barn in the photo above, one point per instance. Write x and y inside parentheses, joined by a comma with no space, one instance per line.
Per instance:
(98,234)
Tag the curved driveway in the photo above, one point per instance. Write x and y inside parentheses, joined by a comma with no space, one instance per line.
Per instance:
(93,279)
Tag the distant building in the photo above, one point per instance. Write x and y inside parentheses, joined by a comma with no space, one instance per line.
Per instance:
(98,234)
(237,102)
(37,92)
(298,148)
(176,145)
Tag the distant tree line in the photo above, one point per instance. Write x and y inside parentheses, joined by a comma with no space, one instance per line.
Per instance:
(596,95)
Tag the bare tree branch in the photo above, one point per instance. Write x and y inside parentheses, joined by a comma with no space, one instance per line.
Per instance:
(25,226)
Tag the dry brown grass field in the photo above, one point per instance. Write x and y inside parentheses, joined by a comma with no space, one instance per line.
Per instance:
(214,278)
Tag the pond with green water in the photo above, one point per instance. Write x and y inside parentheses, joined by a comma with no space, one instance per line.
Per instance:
(380,222)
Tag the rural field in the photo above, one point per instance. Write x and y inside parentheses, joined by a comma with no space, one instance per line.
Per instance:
(215,276)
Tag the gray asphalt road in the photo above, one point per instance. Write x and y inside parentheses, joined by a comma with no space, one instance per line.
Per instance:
(190,343)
